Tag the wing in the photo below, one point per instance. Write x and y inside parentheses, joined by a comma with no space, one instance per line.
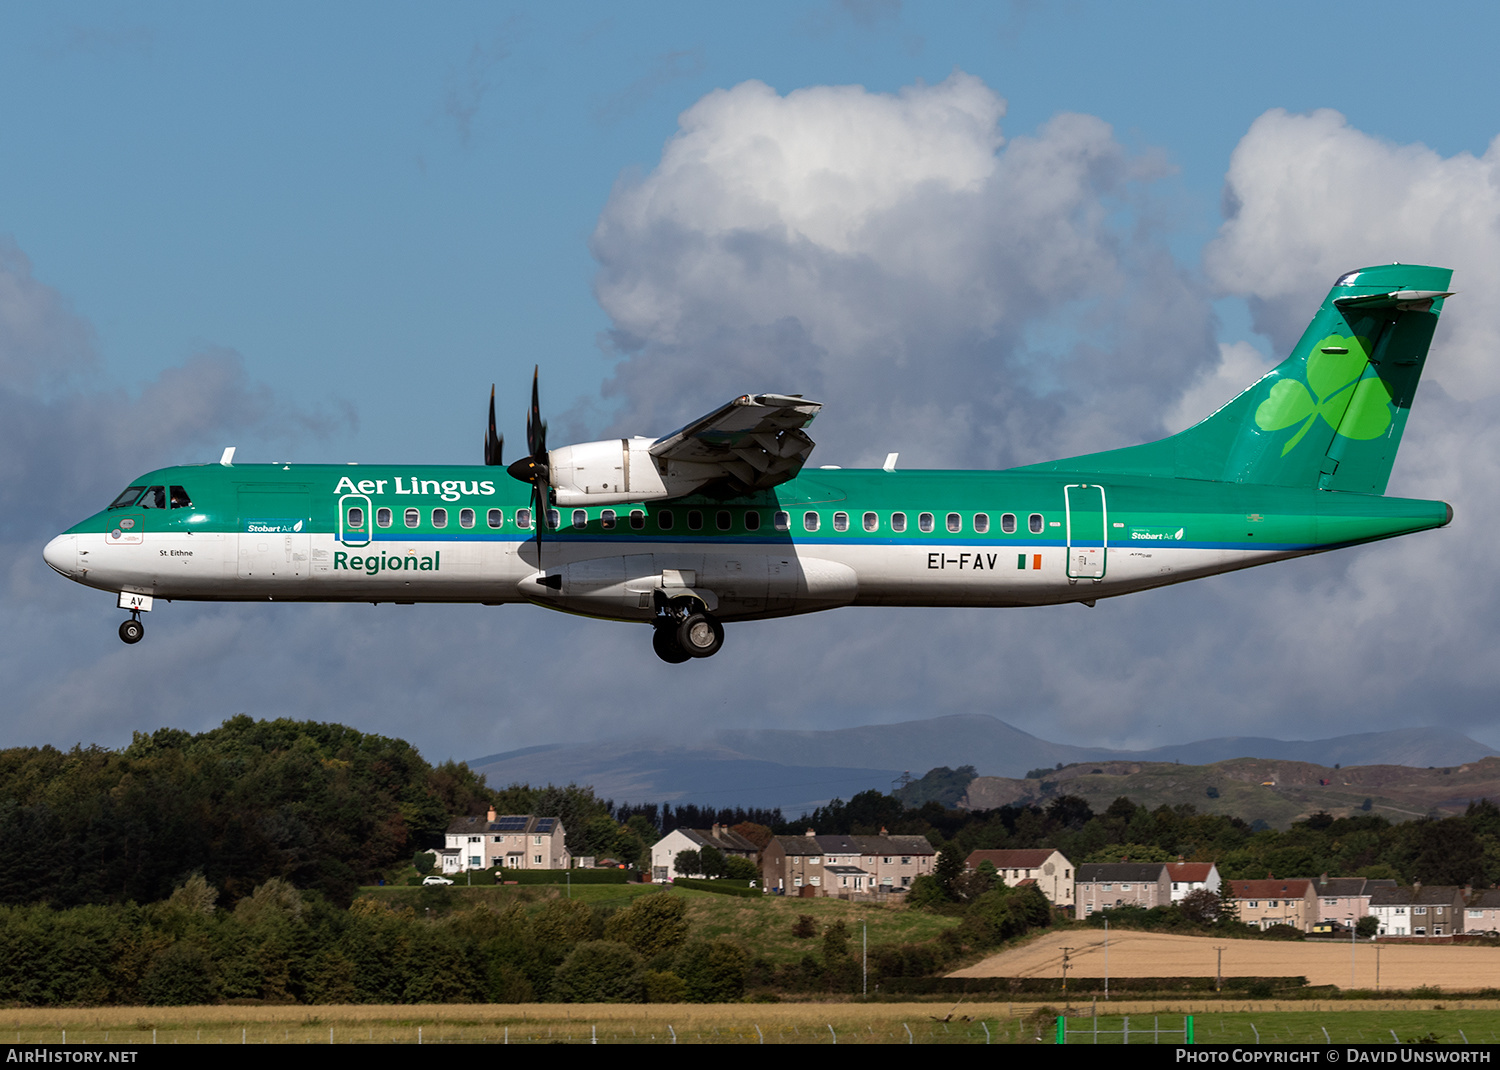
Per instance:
(753,443)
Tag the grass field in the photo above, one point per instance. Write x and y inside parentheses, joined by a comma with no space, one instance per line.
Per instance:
(1370,1022)
(763,926)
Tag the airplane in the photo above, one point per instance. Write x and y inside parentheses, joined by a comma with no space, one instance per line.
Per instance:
(722,521)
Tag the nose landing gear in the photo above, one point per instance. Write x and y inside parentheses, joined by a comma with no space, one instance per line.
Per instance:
(132,631)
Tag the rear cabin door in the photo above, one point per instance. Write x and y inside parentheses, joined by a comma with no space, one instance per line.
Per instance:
(1088,537)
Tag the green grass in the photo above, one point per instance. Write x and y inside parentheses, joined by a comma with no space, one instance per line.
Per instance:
(1305,1027)
(765,925)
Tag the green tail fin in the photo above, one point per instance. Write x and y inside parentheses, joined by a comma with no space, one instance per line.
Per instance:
(1330,415)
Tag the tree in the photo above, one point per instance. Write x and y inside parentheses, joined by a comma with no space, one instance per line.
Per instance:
(1229,908)
(1200,906)
(687,863)
(740,869)
(711,862)
(949,868)
(650,925)
(599,971)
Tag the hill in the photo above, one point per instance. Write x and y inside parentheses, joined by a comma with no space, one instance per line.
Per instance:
(1255,789)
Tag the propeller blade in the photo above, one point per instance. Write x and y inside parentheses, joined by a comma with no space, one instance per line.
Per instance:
(536,427)
(494,444)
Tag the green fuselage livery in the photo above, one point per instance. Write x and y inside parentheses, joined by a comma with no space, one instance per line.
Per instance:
(1295,465)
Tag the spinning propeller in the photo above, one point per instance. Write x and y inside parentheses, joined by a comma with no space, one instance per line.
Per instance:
(532,468)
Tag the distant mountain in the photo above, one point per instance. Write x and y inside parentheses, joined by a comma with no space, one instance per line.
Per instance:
(800,770)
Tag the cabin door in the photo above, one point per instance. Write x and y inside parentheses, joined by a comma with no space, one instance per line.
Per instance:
(1088,536)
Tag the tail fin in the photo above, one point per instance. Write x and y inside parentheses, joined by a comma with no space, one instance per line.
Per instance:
(1331,415)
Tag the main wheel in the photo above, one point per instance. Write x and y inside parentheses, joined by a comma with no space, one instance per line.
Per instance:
(664,642)
(132,630)
(700,635)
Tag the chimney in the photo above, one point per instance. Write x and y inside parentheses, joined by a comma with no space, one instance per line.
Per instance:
(809,832)
(491,818)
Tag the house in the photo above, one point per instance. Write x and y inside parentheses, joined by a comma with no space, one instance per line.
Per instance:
(1276,901)
(1045,867)
(1346,899)
(1482,912)
(513,841)
(1105,885)
(1187,877)
(1433,910)
(844,865)
(724,840)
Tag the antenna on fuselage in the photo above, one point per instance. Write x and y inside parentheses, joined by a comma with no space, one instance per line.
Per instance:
(228,459)
(890,462)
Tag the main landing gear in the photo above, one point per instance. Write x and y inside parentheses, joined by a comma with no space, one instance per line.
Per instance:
(683,630)
(132,630)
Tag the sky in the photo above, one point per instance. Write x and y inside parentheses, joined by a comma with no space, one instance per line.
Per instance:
(980,234)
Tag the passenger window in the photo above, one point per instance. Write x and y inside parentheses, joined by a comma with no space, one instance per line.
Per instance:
(898,522)
(383,517)
(412,518)
(695,520)
(872,522)
(440,518)
(752,520)
(155,498)
(810,521)
(580,518)
(955,522)
(924,522)
(982,523)
(127,497)
(1036,523)
(554,520)
(495,518)
(637,519)
(607,520)
(782,521)
(721,519)
(1008,523)
(840,521)
(523,518)
(180,499)
(466,518)
(356,517)
(664,520)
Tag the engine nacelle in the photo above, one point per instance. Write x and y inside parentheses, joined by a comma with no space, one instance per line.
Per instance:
(617,471)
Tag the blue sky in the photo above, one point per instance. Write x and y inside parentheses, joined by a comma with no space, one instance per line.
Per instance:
(321,231)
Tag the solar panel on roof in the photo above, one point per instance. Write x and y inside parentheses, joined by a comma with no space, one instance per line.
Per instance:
(544,824)
(511,824)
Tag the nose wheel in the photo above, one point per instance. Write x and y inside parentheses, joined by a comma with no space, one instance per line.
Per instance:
(132,631)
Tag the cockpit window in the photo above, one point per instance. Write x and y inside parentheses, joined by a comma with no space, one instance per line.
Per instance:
(127,497)
(154,498)
(180,499)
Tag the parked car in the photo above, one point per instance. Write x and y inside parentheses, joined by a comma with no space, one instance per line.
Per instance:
(435,879)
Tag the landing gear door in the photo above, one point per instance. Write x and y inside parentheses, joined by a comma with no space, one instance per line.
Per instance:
(1088,538)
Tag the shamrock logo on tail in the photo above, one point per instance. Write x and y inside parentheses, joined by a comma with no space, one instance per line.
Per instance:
(1355,407)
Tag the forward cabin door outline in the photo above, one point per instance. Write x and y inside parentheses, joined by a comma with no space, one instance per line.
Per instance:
(1088,531)
(274,535)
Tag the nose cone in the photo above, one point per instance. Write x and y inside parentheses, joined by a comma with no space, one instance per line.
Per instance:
(62,554)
